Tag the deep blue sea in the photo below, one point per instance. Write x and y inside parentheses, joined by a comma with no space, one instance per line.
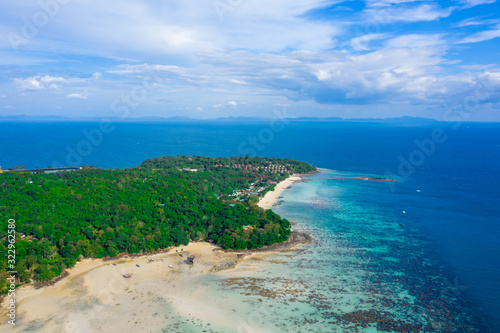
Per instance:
(434,236)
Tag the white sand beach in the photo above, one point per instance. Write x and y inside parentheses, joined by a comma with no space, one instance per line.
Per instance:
(272,197)
(95,297)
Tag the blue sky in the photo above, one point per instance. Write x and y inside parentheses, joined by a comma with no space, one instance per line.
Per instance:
(219,58)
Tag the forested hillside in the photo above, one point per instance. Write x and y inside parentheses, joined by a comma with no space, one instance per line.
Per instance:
(61,217)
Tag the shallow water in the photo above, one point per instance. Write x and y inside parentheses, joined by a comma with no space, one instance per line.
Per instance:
(366,271)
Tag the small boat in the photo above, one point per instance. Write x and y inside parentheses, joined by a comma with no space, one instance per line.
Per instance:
(404,212)
(137,265)
(170,266)
(127,276)
(114,264)
(180,254)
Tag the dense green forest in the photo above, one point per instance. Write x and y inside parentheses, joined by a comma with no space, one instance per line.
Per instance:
(61,217)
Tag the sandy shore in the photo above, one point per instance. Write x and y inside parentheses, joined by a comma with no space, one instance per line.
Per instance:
(99,286)
(95,297)
(270,198)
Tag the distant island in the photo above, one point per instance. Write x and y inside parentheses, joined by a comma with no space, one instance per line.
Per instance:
(373,179)
(86,212)
(245,120)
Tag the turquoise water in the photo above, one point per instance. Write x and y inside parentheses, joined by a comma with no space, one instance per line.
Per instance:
(373,254)
(366,271)
(435,268)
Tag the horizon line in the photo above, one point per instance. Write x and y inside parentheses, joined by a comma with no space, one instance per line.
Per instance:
(22,117)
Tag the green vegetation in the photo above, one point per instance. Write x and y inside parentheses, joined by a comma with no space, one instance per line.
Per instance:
(64,216)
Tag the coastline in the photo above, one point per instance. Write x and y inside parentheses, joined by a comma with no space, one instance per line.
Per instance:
(266,202)
(94,295)
(271,197)
(98,287)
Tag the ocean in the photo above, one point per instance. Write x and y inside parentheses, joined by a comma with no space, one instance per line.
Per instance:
(422,254)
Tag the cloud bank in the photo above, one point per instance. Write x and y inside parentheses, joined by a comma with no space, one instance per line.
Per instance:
(203,58)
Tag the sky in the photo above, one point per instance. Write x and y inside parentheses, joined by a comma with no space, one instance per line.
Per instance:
(251,58)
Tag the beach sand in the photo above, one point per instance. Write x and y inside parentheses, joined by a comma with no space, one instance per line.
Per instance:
(270,198)
(95,297)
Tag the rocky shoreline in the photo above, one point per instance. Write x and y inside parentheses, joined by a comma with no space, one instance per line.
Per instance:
(295,239)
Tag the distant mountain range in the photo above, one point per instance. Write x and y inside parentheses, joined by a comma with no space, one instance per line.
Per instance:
(405,119)
(179,119)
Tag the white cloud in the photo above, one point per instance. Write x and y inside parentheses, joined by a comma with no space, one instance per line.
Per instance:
(405,68)
(77,96)
(330,77)
(39,82)
(126,30)
(386,3)
(481,36)
(477,67)
(425,12)
(48,82)
(9,107)
(237,81)
(416,41)
(361,43)
(262,52)
(230,103)
(492,77)
(154,72)
(476,21)
(473,3)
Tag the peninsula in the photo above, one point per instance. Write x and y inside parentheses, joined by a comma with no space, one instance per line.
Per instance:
(64,217)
